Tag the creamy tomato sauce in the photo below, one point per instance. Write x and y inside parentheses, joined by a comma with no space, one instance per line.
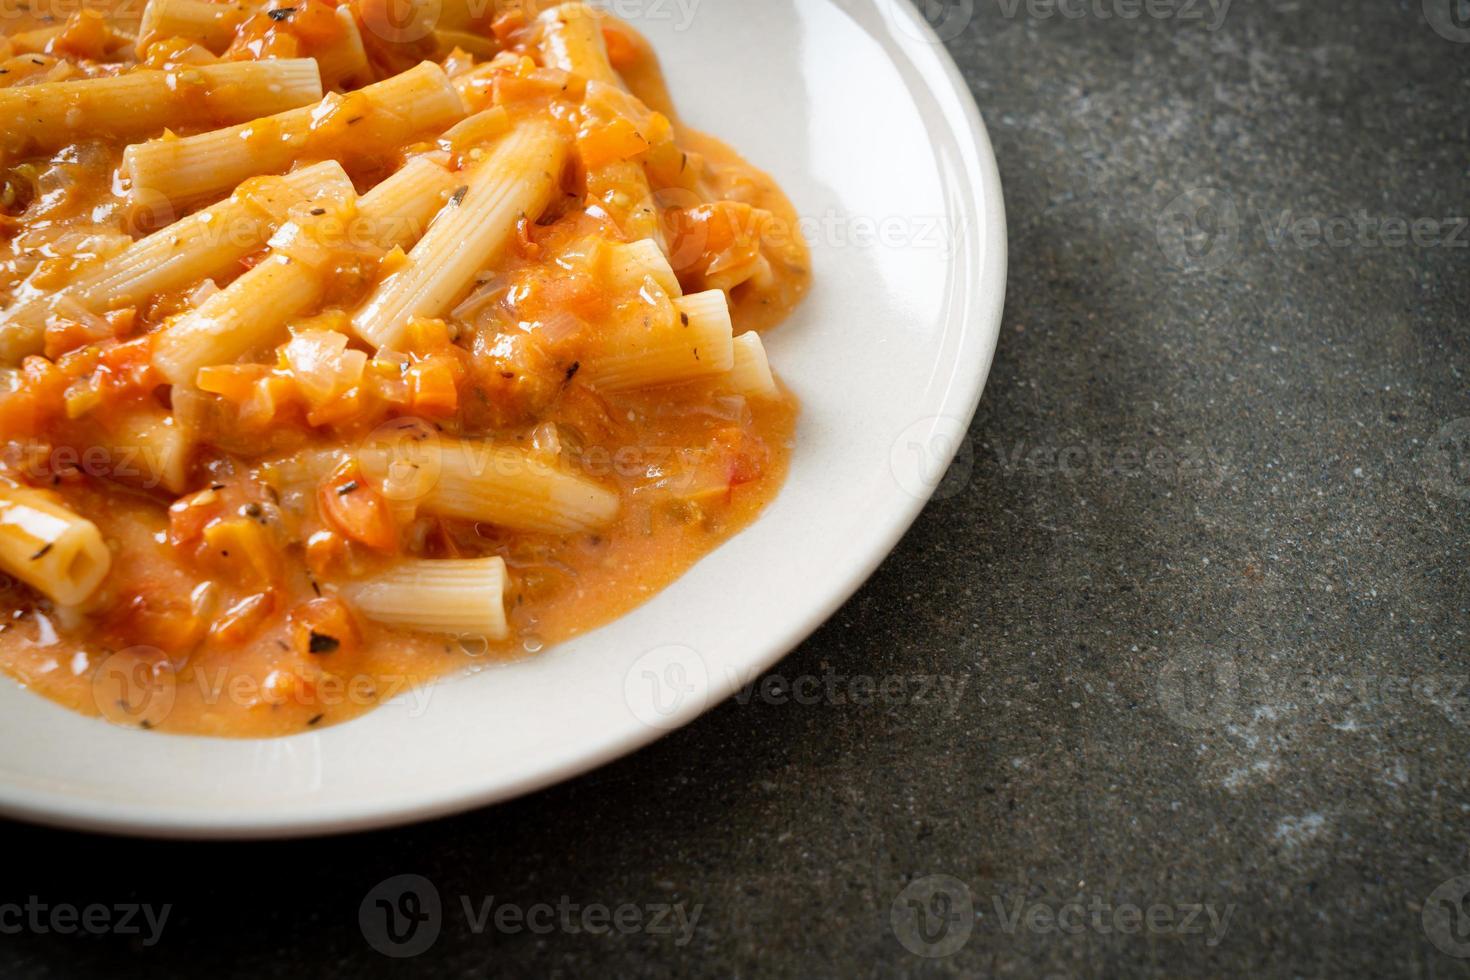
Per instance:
(226,608)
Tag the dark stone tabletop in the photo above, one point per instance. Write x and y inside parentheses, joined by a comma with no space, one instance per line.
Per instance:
(1174,680)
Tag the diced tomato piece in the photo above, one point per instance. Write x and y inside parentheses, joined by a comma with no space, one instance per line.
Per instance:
(725,231)
(322,549)
(427,333)
(609,143)
(322,627)
(127,368)
(188,516)
(433,387)
(154,621)
(244,618)
(506,25)
(86,35)
(233,382)
(357,510)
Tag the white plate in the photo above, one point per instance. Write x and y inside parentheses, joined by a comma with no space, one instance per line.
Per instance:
(857,110)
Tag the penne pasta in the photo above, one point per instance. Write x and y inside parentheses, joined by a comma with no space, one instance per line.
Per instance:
(206,245)
(571,39)
(214,26)
(500,485)
(475,131)
(628,266)
(209,25)
(397,212)
(192,168)
(254,309)
(50,548)
(344,60)
(143,103)
(515,181)
(458,597)
(751,373)
(696,342)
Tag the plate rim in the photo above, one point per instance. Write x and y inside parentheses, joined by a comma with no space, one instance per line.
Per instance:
(959,404)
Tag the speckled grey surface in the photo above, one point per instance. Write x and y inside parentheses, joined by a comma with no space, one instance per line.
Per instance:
(1187,630)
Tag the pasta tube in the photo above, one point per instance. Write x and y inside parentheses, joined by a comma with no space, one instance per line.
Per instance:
(249,312)
(143,103)
(571,39)
(254,309)
(515,181)
(388,113)
(209,25)
(206,245)
(751,373)
(50,548)
(213,26)
(344,61)
(463,597)
(696,342)
(499,485)
(628,266)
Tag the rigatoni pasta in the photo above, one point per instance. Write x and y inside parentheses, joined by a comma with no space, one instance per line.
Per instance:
(750,374)
(189,168)
(369,348)
(512,185)
(253,308)
(465,597)
(144,103)
(502,485)
(55,551)
(201,247)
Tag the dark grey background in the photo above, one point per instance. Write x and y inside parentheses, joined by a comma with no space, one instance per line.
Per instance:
(1201,574)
